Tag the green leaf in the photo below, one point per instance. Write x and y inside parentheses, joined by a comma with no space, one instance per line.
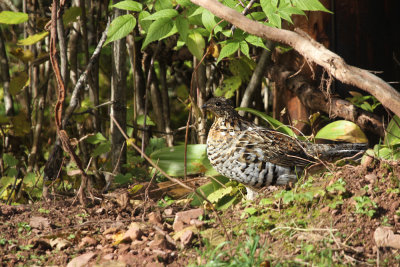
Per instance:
(120,27)
(255,40)
(10,17)
(95,139)
(217,195)
(229,87)
(207,189)
(182,26)
(129,5)
(184,3)
(158,30)
(71,15)
(244,47)
(155,144)
(145,24)
(30,179)
(342,131)
(228,50)
(171,160)
(312,5)
(275,124)
(123,179)
(210,21)
(102,148)
(33,39)
(393,132)
(163,4)
(162,14)
(9,160)
(196,44)
(140,120)
(18,82)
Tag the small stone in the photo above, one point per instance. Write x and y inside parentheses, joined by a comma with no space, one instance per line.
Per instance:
(108,256)
(134,232)
(168,212)
(184,217)
(87,240)
(39,222)
(155,217)
(186,238)
(81,260)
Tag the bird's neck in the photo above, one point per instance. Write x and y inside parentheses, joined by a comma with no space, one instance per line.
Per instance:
(229,123)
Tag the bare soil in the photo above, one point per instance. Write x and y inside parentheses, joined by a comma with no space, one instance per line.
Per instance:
(105,234)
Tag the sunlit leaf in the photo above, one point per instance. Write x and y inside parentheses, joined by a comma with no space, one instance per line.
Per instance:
(140,120)
(196,44)
(228,49)
(182,25)
(158,30)
(96,138)
(120,27)
(208,189)
(162,14)
(128,5)
(313,5)
(171,160)
(393,132)
(342,131)
(10,17)
(33,39)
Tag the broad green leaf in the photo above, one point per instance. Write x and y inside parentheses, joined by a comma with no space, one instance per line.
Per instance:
(255,40)
(182,26)
(197,11)
(244,47)
(158,30)
(120,27)
(275,124)
(145,24)
(210,22)
(229,87)
(162,14)
(184,3)
(171,160)
(196,44)
(393,132)
(71,14)
(163,4)
(9,160)
(18,82)
(123,178)
(140,120)
(96,138)
(33,39)
(342,131)
(30,179)
(208,189)
(129,5)
(101,149)
(217,195)
(10,17)
(228,50)
(312,5)
(155,144)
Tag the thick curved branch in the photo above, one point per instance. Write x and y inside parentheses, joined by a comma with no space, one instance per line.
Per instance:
(314,99)
(312,51)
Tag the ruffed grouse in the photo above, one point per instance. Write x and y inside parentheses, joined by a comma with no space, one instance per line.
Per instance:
(257,156)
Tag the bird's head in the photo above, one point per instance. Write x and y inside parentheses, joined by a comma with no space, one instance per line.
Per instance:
(221,107)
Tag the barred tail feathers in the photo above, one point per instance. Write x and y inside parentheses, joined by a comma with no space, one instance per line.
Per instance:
(330,152)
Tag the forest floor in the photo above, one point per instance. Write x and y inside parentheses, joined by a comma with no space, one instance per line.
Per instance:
(332,218)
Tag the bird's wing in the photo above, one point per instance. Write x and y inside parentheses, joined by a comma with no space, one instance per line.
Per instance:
(275,147)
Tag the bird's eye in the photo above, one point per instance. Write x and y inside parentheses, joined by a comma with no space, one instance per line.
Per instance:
(218,104)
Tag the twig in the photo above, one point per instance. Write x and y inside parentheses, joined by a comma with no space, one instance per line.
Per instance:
(302,229)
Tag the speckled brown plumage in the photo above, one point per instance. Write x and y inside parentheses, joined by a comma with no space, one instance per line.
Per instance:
(257,156)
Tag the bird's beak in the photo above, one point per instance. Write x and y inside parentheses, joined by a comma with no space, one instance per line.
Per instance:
(205,106)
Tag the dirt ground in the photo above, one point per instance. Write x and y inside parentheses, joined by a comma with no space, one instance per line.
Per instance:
(335,226)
